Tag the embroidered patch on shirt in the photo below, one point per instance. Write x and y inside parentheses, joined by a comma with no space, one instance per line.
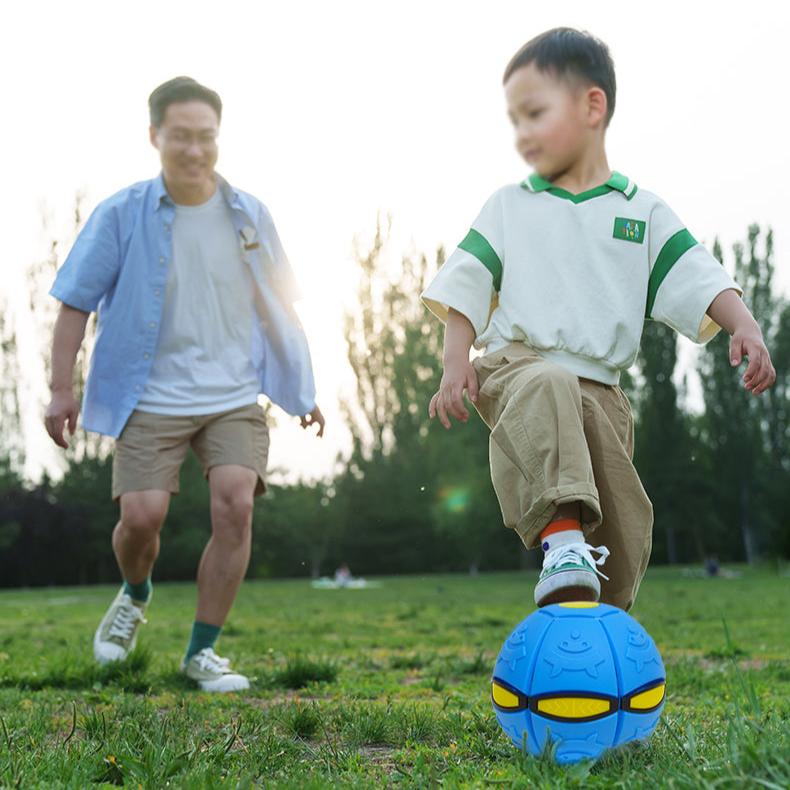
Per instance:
(629,229)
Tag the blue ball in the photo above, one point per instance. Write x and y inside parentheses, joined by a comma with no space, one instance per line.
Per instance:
(584,676)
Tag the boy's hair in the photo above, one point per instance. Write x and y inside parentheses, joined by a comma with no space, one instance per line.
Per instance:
(180,89)
(564,52)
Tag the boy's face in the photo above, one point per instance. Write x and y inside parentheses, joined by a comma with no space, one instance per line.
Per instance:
(552,118)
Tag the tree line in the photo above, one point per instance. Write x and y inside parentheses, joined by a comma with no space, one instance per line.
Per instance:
(411,497)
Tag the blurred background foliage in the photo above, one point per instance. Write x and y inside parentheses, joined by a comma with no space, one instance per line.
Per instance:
(411,497)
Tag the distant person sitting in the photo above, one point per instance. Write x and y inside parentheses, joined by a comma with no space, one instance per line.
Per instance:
(343,576)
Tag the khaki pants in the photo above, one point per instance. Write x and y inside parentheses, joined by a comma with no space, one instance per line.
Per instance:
(556,438)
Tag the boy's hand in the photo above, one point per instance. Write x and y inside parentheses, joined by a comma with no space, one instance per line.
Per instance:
(314,418)
(760,373)
(458,375)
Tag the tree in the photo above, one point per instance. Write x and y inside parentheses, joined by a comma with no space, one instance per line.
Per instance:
(418,497)
(662,452)
(745,435)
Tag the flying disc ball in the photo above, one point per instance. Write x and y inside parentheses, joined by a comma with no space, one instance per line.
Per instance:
(577,679)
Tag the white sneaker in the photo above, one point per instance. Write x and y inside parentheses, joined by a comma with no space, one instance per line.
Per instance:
(116,635)
(212,672)
(570,574)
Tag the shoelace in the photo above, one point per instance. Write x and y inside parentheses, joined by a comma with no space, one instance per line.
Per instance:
(123,624)
(207,659)
(572,552)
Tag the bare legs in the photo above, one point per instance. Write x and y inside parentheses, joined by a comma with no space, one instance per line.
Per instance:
(135,539)
(227,554)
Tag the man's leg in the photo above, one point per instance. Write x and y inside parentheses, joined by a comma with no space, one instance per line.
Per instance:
(148,455)
(135,542)
(135,539)
(227,554)
(222,568)
(233,448)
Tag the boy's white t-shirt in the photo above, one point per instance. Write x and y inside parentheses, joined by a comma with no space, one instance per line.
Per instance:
(575,276)
(203,362)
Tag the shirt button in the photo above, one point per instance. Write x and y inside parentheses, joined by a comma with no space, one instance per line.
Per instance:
(161,260)
(152,324)
(146,355)
(156,292)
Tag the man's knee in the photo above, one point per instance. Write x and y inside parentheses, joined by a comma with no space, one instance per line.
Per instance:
(144,512)
(232,512)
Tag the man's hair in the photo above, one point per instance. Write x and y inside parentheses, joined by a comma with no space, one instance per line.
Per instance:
(180,89)
(566,52)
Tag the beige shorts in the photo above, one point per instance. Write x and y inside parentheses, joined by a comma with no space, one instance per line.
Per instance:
(151,448)
(557,438)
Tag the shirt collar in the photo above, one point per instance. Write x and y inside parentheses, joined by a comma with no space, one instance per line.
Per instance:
(617,181)
(228,192)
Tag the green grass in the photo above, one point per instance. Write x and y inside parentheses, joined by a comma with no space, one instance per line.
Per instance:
(377,688)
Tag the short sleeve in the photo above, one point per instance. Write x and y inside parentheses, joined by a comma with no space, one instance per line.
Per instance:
(684,278)
(91,267)
(282,275)
(469,280)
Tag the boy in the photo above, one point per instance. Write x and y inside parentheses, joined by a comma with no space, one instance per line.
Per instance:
(554,281)
(194,296)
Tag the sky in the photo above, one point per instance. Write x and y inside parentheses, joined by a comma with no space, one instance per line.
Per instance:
(336,112)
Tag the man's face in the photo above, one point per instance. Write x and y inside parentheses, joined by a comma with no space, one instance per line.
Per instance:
(187,144)
(550,117)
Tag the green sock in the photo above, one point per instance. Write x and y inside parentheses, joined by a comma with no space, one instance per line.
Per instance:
(139,592)
(203,635)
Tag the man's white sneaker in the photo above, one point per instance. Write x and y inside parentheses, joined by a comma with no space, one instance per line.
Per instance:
(116,635)
(570,574)
(212,672)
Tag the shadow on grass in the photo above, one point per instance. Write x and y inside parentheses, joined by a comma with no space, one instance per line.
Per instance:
(68,671)
(299,672)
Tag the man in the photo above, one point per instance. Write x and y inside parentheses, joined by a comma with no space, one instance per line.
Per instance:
(194,297)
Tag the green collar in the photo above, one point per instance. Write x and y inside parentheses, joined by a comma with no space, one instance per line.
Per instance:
(617,182)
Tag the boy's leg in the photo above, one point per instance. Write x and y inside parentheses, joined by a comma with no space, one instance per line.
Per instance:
(541,467)
(627,523)
(538,451)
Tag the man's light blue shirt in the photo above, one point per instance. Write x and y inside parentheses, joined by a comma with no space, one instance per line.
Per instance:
(118,267)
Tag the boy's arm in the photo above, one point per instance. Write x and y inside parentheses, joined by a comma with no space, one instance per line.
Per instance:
(63,407)
(746,340)
(458,371)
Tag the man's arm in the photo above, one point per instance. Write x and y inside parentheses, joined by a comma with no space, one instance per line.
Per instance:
(458,373)
(732,315)
(67,339)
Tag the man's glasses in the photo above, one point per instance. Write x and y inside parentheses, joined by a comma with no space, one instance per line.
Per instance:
(179,138)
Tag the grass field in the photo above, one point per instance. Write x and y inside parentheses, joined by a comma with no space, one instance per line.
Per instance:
(377,688)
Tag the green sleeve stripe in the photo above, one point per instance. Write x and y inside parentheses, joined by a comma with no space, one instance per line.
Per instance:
(675,246)
(476,244)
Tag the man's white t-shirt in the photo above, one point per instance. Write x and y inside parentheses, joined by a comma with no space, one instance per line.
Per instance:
(203,362)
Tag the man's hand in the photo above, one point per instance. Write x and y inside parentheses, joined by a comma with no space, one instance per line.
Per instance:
(314,418)
(459,375)
(748,342)
(63,409)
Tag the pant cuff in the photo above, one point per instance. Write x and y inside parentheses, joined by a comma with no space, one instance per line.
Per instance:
(543,508)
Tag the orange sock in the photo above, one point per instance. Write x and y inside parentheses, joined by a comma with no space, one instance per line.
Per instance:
(561,525)
(571,528)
